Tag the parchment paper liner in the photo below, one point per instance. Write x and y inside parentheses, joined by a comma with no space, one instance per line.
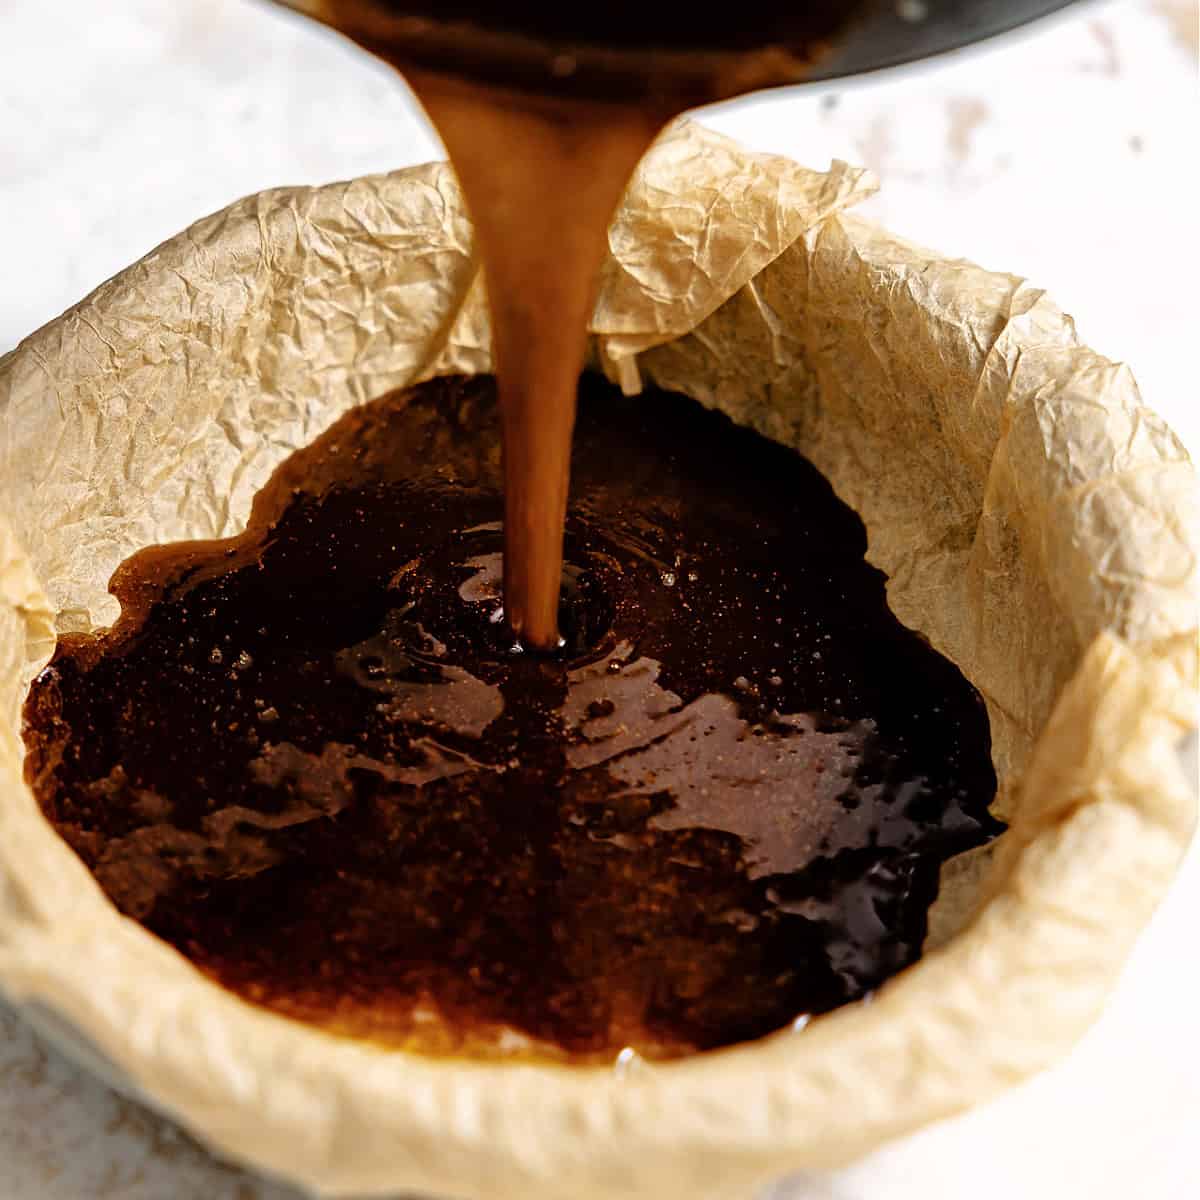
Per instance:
(1037,524)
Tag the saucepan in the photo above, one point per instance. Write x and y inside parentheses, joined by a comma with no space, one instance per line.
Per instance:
(673,51)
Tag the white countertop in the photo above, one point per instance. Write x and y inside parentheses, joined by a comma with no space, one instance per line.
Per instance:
(1066,153)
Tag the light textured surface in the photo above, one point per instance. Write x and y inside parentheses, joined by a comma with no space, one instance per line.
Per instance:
(1112,1120)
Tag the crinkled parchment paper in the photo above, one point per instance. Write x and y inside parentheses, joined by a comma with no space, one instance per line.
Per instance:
(1037,524)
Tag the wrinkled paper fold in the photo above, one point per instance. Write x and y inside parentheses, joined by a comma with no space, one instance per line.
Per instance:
(1037,524)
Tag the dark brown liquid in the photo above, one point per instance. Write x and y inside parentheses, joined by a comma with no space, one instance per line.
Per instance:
(310,759)
(545,111)
(543,179)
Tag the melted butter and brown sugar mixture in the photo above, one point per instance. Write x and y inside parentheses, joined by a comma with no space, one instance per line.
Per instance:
(311,759)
